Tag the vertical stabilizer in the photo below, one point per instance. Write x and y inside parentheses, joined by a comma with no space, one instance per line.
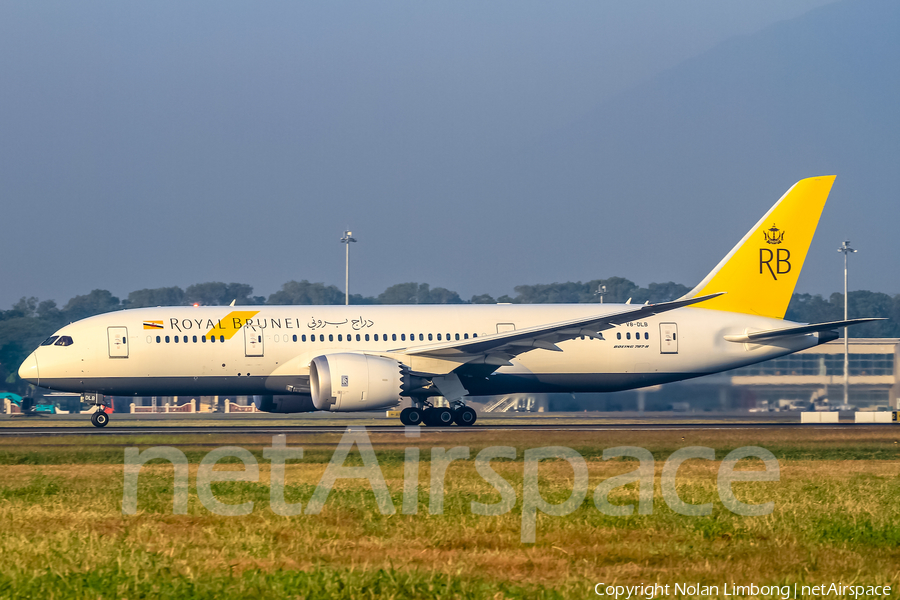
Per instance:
(759,274)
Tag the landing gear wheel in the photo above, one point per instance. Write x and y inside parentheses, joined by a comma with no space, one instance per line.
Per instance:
(465,416)
(439,417)
(411,416)
(100,419)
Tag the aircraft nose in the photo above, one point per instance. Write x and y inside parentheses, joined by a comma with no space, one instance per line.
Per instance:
(29,370)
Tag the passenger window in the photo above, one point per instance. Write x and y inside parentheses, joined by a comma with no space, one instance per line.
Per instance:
(49,341)
(393,337)
(421,337)
(646,336)
(340,338)
(221,338)
(157,339)
(367,337)
(167,339)
(474,335)
(628,336)
(448,337)
(466,336)
(295,337)
(403,337)
(457,336)
(312,338)
(203,338)
(376,337)
(619,336)
(212,338)
(195,339)
(357,337)
(439,337)
(185,340)
(330,337)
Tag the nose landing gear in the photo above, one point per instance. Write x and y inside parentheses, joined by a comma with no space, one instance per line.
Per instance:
(101,417)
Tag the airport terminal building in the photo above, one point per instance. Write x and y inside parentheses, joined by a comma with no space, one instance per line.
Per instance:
(810,379)
(817,374)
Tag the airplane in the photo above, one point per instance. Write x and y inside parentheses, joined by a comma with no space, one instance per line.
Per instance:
(356,358)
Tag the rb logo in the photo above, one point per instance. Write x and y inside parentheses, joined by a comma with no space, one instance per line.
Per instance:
(782,257)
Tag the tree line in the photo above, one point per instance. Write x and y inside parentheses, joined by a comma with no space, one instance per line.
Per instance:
(30,321)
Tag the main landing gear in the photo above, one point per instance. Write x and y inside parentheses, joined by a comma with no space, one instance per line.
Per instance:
(101,417)
(439,416)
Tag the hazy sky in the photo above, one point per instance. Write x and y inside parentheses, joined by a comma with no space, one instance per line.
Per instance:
(158,144)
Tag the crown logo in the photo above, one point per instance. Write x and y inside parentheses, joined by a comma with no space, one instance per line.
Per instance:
(774,235)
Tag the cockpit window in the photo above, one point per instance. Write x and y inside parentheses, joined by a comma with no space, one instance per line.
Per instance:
(64,341)
(49,341)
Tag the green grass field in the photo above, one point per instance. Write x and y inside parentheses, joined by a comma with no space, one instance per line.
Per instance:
(63,533)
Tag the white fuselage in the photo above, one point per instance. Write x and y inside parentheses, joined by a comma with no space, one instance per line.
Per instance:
(267,350)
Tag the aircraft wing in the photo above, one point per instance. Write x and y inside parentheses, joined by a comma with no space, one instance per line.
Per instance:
(497,349)
(771,334)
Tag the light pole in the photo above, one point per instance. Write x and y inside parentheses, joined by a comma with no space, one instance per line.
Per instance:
(846,249)
(348,237)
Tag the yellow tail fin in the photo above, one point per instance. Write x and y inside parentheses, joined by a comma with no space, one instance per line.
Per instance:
(759,274)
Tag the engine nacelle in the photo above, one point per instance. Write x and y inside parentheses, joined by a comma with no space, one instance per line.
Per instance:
(347,382)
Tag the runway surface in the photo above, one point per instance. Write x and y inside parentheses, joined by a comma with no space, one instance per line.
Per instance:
(393,429)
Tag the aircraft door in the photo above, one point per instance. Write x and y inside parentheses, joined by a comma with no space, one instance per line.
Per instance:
(118,341)
(668,338)
(253,341)
(501,327)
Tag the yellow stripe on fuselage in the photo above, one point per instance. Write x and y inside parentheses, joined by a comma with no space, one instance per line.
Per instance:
(231,323)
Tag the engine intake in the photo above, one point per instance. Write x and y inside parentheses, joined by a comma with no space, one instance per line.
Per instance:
(346,382)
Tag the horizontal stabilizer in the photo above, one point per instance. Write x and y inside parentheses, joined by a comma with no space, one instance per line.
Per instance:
(762,336)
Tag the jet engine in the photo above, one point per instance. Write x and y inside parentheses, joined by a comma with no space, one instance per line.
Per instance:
(347,382)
